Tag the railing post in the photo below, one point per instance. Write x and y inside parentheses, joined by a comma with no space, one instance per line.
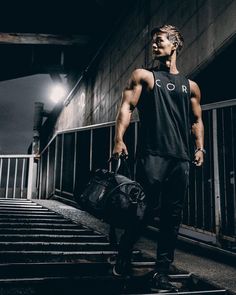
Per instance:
(110,145)
(75,159)
(15,176)
(8,176)
(30,178)
(61,167)
(91,151)
(55,165)
(218,219)
(47,173)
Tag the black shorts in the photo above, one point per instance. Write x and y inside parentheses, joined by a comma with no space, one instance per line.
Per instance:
(153,168)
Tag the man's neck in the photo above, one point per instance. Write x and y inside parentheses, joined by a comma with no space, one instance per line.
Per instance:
(168,65)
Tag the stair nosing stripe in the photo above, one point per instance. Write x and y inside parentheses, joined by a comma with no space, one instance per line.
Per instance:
(63,253)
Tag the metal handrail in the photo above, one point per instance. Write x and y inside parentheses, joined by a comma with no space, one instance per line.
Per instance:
(16,156)
(220,104)
(75,129)
(29,179)
(205,107)
(213,235)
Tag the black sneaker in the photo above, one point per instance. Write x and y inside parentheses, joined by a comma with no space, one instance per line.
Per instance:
(122,267)
(160,283)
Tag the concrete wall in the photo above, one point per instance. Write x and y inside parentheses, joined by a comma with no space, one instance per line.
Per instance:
(207,26)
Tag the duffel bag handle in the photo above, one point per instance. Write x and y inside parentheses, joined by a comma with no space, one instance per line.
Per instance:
(120,160)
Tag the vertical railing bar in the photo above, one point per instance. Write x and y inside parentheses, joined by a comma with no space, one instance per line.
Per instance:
(195,198)
(47,171)
(55,165)
(75,157)
(188,206)
(22,179)
(15,177)
(135,145)
(40,176)
(1,161)
(218,220)
(110,146)
(61,168)
(91,151)
(203,197)
(233,161)
(224,169)
(212,220)
(8,175)
(37,176)
(30,177)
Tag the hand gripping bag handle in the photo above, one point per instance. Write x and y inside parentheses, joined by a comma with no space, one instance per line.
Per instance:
(121,160)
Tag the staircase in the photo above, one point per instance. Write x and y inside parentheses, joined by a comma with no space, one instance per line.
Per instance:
(42,252)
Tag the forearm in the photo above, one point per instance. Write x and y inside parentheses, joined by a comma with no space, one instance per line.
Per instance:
(130,97)
(198,132)
(197,126)
(122,123)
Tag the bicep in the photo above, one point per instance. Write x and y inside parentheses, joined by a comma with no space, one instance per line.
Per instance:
(131,96)
(195,101)
(133,90)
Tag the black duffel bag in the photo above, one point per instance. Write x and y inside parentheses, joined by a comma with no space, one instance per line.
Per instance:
(114,198)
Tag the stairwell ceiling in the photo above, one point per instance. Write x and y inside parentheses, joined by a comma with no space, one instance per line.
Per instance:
(54,37)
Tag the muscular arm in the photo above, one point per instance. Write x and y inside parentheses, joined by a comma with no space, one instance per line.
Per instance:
(130,97)
(197,125)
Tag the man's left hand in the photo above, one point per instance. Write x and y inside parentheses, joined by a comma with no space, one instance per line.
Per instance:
(198,158)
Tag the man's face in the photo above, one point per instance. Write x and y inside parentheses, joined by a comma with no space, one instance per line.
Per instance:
(161,46)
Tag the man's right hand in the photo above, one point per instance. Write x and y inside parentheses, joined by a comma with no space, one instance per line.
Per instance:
(119,148)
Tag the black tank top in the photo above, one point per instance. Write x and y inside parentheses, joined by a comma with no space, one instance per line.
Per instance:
(164,117)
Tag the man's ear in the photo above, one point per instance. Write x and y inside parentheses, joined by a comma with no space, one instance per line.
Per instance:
(176,44)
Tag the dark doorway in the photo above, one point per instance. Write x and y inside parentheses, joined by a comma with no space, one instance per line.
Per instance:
(217,79)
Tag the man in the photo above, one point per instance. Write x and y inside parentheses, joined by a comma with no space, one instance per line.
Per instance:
(169,109)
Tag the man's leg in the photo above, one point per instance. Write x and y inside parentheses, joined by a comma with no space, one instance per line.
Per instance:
(171,205)
(172,201)
(129,237)
(135,228)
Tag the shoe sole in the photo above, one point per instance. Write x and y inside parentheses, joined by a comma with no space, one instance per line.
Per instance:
(163,290)
(116,273)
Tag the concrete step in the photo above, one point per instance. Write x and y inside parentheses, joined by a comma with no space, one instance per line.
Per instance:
(65,285)
(38,225)
(105,284)
(43,253)
(54,246)
(29,215)
(63,256)
(16,200)
(30,270)
(18,205)
(51,238)
(23,209)
(17,212)
(35,220)
(46,230)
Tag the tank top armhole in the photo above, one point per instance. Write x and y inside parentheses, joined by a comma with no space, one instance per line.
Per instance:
(189,89)
(144,95)
(154,77)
